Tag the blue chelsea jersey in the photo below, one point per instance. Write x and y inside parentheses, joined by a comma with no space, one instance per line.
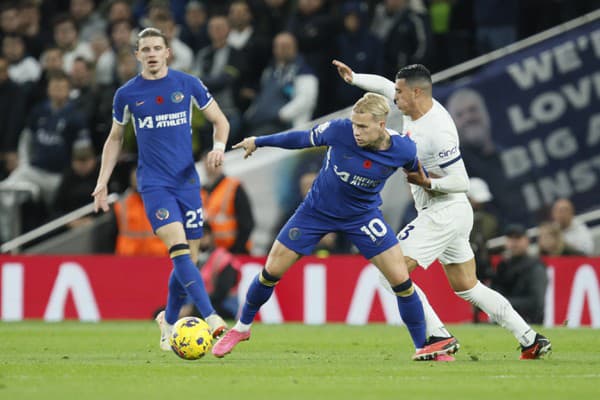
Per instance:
(161,110)
(351,178)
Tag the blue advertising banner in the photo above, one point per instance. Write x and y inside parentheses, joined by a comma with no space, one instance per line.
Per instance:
(529,124)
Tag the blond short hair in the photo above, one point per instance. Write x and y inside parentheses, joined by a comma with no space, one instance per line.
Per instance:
(150,32)
(374,104)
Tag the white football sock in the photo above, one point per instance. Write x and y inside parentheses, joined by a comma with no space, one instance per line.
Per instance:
(241,327)
(500,311)
(433,325)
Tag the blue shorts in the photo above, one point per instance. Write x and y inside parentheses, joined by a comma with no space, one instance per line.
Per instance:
(368,232)
(165,205)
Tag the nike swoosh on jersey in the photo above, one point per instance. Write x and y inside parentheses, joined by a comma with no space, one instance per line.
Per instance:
(139,103)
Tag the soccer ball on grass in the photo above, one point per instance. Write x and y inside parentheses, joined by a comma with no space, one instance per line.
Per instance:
(191,338)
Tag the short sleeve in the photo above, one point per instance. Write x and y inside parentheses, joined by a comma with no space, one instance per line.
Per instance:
(200,94)
(120,110)
(446,149)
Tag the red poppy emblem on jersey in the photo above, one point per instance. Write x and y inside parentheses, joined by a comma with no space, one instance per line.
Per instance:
(159,100)
(367,164)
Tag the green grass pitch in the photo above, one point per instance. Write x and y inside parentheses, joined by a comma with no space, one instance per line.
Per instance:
(121,360)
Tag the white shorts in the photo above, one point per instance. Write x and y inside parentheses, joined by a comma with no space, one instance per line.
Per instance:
(440,233)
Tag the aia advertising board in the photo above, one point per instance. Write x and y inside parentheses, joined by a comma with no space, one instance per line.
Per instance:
(343,289)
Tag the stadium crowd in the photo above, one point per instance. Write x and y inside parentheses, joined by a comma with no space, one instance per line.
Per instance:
(267,62)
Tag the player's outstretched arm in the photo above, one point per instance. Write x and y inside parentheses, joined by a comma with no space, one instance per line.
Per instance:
(248,144)
(368,82)
(110,155)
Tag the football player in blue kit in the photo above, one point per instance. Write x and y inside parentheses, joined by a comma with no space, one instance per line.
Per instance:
(345,197)
(159,102)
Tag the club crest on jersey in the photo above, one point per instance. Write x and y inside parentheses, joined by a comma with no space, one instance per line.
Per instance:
(162,214)
(177,97)
(294,233)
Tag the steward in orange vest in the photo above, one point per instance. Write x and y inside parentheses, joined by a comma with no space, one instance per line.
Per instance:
(135,237)
(227,208)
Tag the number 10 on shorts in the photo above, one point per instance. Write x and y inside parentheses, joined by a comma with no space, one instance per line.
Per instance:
(374,229)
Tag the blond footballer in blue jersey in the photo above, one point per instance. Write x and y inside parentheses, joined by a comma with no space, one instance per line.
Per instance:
(362,154)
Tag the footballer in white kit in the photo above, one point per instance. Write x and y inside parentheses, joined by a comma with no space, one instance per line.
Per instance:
(445,217)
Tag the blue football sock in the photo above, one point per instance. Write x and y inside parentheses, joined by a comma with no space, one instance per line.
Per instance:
(189,277)
(259,292)
(411,311)
(175,299)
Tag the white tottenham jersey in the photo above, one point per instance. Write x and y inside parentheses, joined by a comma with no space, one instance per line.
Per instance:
(437,144)
(437,148)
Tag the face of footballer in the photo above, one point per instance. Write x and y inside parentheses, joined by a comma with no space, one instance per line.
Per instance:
(368,132)
(405,97)
(153,53)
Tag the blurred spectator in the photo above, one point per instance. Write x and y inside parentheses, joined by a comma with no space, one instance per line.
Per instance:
(12,119)
(255,48)
(552,243)
(288,91)
(406,35)
(47,140)
(520,277)
(83,94)
(120,33)
(144,11)
(104,58)
(23,69)
(119,10)
(358,48)
(495,23)
(315,28)
(194,32)
(575,232)
(77,183)
(30,26)
(45,149)
(66,38)
(219,66)
(51,63)
(181,56)
(89,21)
(221,274)
(9,18)
(135,236)
(227,208)
(272,16)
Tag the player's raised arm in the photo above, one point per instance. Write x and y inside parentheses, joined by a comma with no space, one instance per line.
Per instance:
(110,155)
(220,124)
(367,82)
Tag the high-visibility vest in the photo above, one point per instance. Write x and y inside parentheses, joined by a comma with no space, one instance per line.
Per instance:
(219,210)
(218,260)
(135,237)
